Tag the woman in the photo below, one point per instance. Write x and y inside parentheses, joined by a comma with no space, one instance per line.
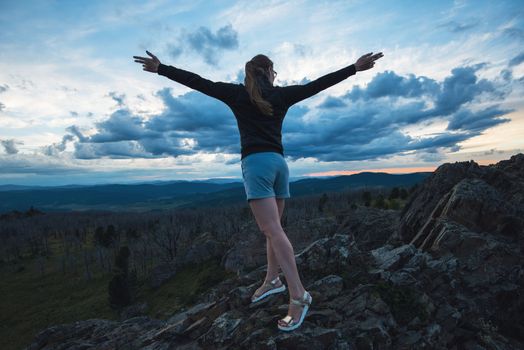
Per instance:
(259,108)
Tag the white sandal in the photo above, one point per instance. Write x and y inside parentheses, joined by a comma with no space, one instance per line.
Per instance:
(291,324)
(272,283)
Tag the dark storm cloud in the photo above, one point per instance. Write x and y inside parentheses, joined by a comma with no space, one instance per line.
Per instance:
(361,131)
(121,126)
(206,43)
(369,126)
(190,123)
(478,121)
(461,87)
(389,84)
(365,123)
(332,102)
(73,129)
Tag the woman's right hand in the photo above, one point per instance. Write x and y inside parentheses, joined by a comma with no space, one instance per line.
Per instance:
(367,61)
(148,64)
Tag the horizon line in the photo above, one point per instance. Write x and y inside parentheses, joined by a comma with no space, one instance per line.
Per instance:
(407,170)
(398,171)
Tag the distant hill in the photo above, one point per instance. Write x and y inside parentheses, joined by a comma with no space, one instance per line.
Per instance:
(177,194)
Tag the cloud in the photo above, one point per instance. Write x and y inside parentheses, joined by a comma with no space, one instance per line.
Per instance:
(457,27)
(73,129)
(478,121)
(121,126)
(332,102)
(461,87)
(366,123)
(38,164)
(10,145)
(207,44)
(3,88)
(516,60)
(514,33)
(190,123)
(117,98)
(389,84)
(115,150)
(56,148)
(302,50)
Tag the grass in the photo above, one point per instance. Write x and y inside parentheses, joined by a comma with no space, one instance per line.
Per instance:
(183,289)
(30,303)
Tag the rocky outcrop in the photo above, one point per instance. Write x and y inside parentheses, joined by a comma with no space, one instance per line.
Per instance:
(370,227)
(475,215)
(387,298)
(451,278)
(480,198)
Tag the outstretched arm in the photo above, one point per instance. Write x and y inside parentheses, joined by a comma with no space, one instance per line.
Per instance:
(219,90)
(296,93)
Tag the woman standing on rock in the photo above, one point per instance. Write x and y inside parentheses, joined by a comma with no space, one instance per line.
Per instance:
(259,108)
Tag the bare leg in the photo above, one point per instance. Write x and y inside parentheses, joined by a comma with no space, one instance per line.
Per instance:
(272,263)
(267,217)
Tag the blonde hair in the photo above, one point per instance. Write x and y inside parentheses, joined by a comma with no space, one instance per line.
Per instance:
(258,66)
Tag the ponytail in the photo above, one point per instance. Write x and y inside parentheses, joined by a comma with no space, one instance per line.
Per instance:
(253,68)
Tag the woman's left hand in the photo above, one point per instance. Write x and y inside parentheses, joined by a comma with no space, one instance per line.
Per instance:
(148,64)
(367,61)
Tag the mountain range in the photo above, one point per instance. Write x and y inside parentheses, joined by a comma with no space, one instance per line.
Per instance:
(155,196)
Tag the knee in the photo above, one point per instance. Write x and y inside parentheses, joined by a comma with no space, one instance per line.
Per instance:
(272,230)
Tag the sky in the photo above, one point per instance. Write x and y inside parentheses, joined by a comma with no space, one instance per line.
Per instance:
(76,109)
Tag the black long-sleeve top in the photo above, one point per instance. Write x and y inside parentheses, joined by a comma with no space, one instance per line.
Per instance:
(258,132)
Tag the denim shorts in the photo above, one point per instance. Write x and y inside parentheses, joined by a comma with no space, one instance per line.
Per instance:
(265,174)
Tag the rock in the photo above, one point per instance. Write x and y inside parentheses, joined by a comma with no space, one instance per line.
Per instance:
(370,227)
(482,199)
(197,328)
(222,329)
(408,339)
(422,202)
(388,257)
(198,310)
(336,251)
(307,338)
(327,287)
